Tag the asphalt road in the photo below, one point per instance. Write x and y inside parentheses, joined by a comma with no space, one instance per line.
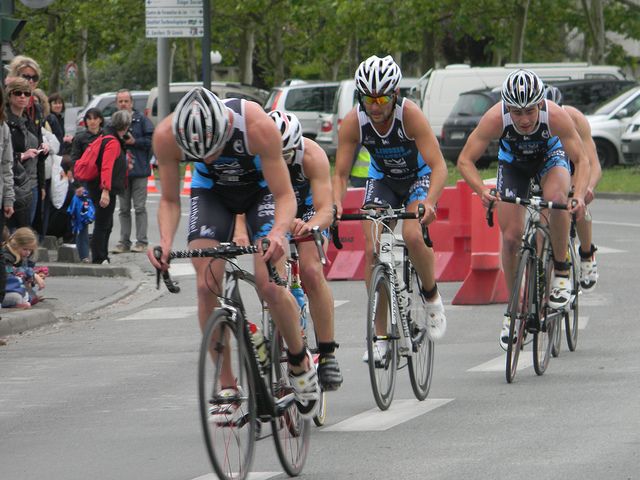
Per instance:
(115,397)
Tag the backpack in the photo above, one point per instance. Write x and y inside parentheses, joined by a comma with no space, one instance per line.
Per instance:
(87,167)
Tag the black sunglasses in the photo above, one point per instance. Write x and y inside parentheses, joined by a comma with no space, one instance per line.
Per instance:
(17,93)
(32,78)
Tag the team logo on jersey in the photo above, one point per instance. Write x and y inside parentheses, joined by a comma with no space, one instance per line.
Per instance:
(545,134)
(396,163)
(400,134)
(238,146)
(385,141)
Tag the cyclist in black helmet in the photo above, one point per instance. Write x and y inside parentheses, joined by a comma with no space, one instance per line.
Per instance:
(238,166)
(533,135)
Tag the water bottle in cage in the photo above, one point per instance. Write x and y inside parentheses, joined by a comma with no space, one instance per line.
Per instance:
(261,345)
(298,294)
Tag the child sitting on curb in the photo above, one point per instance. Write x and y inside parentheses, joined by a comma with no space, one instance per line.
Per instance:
(22,283)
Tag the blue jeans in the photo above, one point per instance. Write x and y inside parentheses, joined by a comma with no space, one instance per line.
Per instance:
(82,242)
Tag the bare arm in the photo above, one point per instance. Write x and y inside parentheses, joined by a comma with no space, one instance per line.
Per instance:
(584,131)
(348,142)
(316,169)
(265,140)
(489,128)
(563,127)
(168,155)
(418,128)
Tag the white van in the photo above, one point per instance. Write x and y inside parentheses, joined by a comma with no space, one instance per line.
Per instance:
(438,89)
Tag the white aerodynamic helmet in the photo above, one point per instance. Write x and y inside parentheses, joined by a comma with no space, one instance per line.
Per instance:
(378,76)
(522,89)
(289,127)
(201,123)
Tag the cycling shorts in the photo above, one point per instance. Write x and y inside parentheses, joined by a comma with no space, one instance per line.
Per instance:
(397,193)
(514,178)
(212,213)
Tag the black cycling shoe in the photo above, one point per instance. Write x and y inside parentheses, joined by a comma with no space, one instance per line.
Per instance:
(329,372)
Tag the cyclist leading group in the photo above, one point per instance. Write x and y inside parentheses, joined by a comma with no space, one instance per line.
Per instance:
(406,169)
(239,168)
(536,139)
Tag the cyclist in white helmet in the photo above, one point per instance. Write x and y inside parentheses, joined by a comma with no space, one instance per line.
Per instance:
(533,136)
(311,180)
(238,166)
(587,251)
(407,168)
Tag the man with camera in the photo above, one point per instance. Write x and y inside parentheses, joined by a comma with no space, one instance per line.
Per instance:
(138,143)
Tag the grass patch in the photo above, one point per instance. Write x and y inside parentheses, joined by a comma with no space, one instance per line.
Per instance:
(620,179)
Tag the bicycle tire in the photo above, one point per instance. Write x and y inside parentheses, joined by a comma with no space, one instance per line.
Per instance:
(290,430)
(543,337)
(518,312)
(382,374)
(571,317)
(321,417)
(421,362)
(230,443)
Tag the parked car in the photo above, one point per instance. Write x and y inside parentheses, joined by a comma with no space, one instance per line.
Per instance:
(463,119)
(470,106)
(346,97)
(223,90)
(630,141)
(609,121)
(306,100)
(106,102)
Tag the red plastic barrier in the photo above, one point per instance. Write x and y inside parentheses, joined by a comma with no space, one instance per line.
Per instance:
(348,263)
(484,283)
(451,233)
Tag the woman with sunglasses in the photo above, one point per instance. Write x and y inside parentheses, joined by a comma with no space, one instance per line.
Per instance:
(28,154)
(406,169)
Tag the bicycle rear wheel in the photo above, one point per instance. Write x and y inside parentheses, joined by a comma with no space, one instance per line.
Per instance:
(519,311)
(421,362)
(571,316)
(383,362)
(543,338)
(290,430)
(230,437)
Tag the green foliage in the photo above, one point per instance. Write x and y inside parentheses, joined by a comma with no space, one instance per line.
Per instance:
(320,39)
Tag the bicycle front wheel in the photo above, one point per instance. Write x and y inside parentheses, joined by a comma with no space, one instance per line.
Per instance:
(571,316)
(519,311)
(290,430)
(382,343)
(421,362)
(543,338)
(227,411)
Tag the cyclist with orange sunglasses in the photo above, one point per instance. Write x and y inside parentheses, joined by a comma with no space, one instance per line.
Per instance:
(406,169)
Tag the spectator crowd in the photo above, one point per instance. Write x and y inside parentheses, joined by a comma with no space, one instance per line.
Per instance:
(40,195)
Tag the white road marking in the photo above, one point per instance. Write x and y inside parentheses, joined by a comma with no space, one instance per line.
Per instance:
(602,250)
(617,224)
(162,312)
(375,420)
(252,476)
(525,360)
(181,269)
(337,303)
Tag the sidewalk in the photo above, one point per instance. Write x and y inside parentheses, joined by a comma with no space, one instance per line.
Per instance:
(76,290)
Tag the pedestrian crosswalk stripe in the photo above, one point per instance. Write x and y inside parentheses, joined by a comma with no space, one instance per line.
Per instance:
(375,420)
(164,313)
(525,360)
(251,476)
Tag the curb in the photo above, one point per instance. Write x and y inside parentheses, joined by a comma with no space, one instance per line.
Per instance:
(14,322)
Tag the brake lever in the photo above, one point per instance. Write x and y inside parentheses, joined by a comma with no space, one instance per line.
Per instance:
(425,229)
(170,284)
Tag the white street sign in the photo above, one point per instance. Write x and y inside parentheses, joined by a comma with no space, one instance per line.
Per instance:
(174,18)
